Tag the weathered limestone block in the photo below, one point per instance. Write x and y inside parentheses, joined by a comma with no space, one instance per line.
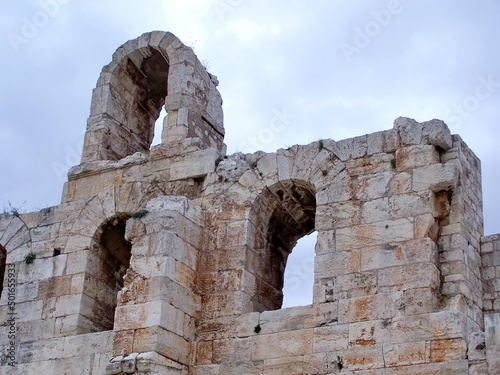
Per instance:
(385,141)
(374,234)
(434,132)
(87,344)
(359,309)
(492,341)
(41,350)
(331,338)
(447,350)
(417,251)
(434,326)
(420,275)
(372,187)
(444,368)
(364,359)
(397,206)
(436,177)
(178,204)
(340,189)
(352,148)
(152,362)
(337,215)
(410,131)
(368,165)
(114,366)
(283,344)
(368,334)
(337,263)
(405,354)
(233,167)
(416,156)
(478,369)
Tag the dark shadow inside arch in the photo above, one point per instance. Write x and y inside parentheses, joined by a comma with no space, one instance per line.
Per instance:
(293,205)
(150,81)
(126,107)
(112,253)
(149,89)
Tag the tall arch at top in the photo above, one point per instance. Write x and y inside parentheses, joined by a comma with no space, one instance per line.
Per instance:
(145,74)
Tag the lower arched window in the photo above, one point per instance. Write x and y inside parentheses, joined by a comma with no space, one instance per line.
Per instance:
(111,262)
(288,214)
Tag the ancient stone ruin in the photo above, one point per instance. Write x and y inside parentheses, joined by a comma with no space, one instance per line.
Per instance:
(170,259)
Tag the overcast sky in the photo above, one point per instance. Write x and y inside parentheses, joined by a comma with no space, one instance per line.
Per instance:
(334,69)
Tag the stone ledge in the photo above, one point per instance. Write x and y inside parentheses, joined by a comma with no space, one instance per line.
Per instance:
(149,362)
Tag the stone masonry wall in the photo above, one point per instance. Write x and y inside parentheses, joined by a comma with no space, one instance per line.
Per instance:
(170,259)
(490,256)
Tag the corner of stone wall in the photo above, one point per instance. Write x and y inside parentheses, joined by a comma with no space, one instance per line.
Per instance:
(490,271)
(159,305)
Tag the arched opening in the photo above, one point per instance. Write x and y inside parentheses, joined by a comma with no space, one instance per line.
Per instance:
(147,73)
(126,106)
(3,262)
(291,209)
(113,254)
(299,273)
(158,128)
(150,86)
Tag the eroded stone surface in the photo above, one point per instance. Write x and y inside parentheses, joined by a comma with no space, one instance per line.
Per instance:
(170,260)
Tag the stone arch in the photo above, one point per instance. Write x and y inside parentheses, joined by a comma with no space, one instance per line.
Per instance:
(146,73)
(102,265)
(283,214)
(109,264)
(118,200)
(239,226)
(16,239)
(308,178)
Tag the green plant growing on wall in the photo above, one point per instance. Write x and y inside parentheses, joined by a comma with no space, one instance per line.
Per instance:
(12,210)
(218,160)
(29,258)
(139,214)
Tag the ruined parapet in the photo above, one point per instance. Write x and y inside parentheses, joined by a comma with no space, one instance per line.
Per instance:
(171,260)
